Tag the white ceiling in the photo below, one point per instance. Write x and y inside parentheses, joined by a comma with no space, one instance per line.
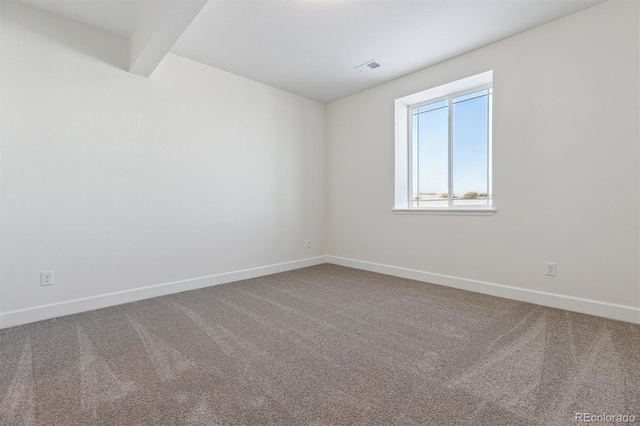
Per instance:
(310,47)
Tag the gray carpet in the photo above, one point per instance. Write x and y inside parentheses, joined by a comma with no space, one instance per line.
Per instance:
(325,345)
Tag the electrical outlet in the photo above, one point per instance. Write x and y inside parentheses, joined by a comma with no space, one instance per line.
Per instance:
(550,268)
(46,278)
(308,243)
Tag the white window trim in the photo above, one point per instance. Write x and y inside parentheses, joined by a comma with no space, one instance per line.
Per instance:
(403,149)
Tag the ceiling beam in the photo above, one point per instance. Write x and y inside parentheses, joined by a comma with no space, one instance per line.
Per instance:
(160,26)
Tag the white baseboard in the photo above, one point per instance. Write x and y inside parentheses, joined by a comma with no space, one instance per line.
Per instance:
(38,313)
(575,304)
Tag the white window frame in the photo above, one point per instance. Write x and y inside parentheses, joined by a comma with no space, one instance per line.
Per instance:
(403,149)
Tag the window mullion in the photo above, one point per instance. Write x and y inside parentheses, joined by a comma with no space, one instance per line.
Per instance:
(450,143)
(410,155)
(417,178)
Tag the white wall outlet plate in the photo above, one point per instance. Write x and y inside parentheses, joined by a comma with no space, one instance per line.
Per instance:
(550,268)
(46,278)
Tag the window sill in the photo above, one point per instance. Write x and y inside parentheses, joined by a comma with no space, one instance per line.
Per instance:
(446,211)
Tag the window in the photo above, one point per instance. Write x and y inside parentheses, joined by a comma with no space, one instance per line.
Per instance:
(443,148)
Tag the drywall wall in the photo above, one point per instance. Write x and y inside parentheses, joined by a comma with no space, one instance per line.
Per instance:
(118,182)
(566,136)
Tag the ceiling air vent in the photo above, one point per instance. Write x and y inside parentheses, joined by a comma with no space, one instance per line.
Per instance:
(367,66)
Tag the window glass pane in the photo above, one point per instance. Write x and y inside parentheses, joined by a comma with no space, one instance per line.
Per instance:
(430,165)
(471,149)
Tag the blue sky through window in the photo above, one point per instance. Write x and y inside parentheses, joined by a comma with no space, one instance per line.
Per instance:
(470,130)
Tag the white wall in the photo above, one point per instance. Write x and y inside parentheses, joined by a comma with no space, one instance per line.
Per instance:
(566,133)
(117,182)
